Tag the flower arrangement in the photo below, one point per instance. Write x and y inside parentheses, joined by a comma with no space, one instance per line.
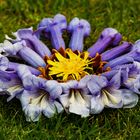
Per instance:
(49,81)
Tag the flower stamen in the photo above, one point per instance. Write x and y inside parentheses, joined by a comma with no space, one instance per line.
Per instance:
(71,67)
(66,65)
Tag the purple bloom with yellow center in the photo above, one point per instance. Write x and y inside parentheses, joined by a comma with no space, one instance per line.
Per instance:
(48,81)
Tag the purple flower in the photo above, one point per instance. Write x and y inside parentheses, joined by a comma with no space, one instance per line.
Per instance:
(53,29)
(131,76)
(117,51)
(127,58)
(79,29)
(75,99)
(39,95)
(10,84)
(24,52)
(108,37)
(32,41)
(107,93)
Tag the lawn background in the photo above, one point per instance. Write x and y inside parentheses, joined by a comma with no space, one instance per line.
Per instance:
(120,124)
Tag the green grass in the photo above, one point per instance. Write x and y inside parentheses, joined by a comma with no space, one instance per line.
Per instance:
(119,124)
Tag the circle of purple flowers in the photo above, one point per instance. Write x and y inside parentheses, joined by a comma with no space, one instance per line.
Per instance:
(21,57)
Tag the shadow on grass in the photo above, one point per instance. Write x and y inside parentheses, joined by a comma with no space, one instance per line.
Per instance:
(110,123)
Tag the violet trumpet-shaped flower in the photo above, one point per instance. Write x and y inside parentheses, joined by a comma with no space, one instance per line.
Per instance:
(32,41)
(39,95)
(53,28)
(107,37)
(79,29)
(13,66)
(6,65)
(107,93)
(129,57)
(75,99)
(26,53)
(117,51)
(131,76)
(10,84)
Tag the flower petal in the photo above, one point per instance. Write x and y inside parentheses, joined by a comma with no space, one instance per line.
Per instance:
(133,83)
(39,47)
(83,82)
(14,91)
(29,101)
(9,80)
(96,84)
(64,99)
(79,104)
(115,81)
(48,108)
(54,88)
(72,84)
(129,98)
(109,74)
(96,105)
(12,49)
(112,98)
(3,62)
(117,51)
(30,81)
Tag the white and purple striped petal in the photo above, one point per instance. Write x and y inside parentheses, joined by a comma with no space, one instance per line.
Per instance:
(39,95)
(75,99)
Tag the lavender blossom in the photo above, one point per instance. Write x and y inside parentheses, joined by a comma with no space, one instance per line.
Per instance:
(26,53)
(107,37)
(108,93)
(129,57)
(75,99)
(32,41)
(131,76)
(39,95)
(53,28)
(117,51)
(79,29)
